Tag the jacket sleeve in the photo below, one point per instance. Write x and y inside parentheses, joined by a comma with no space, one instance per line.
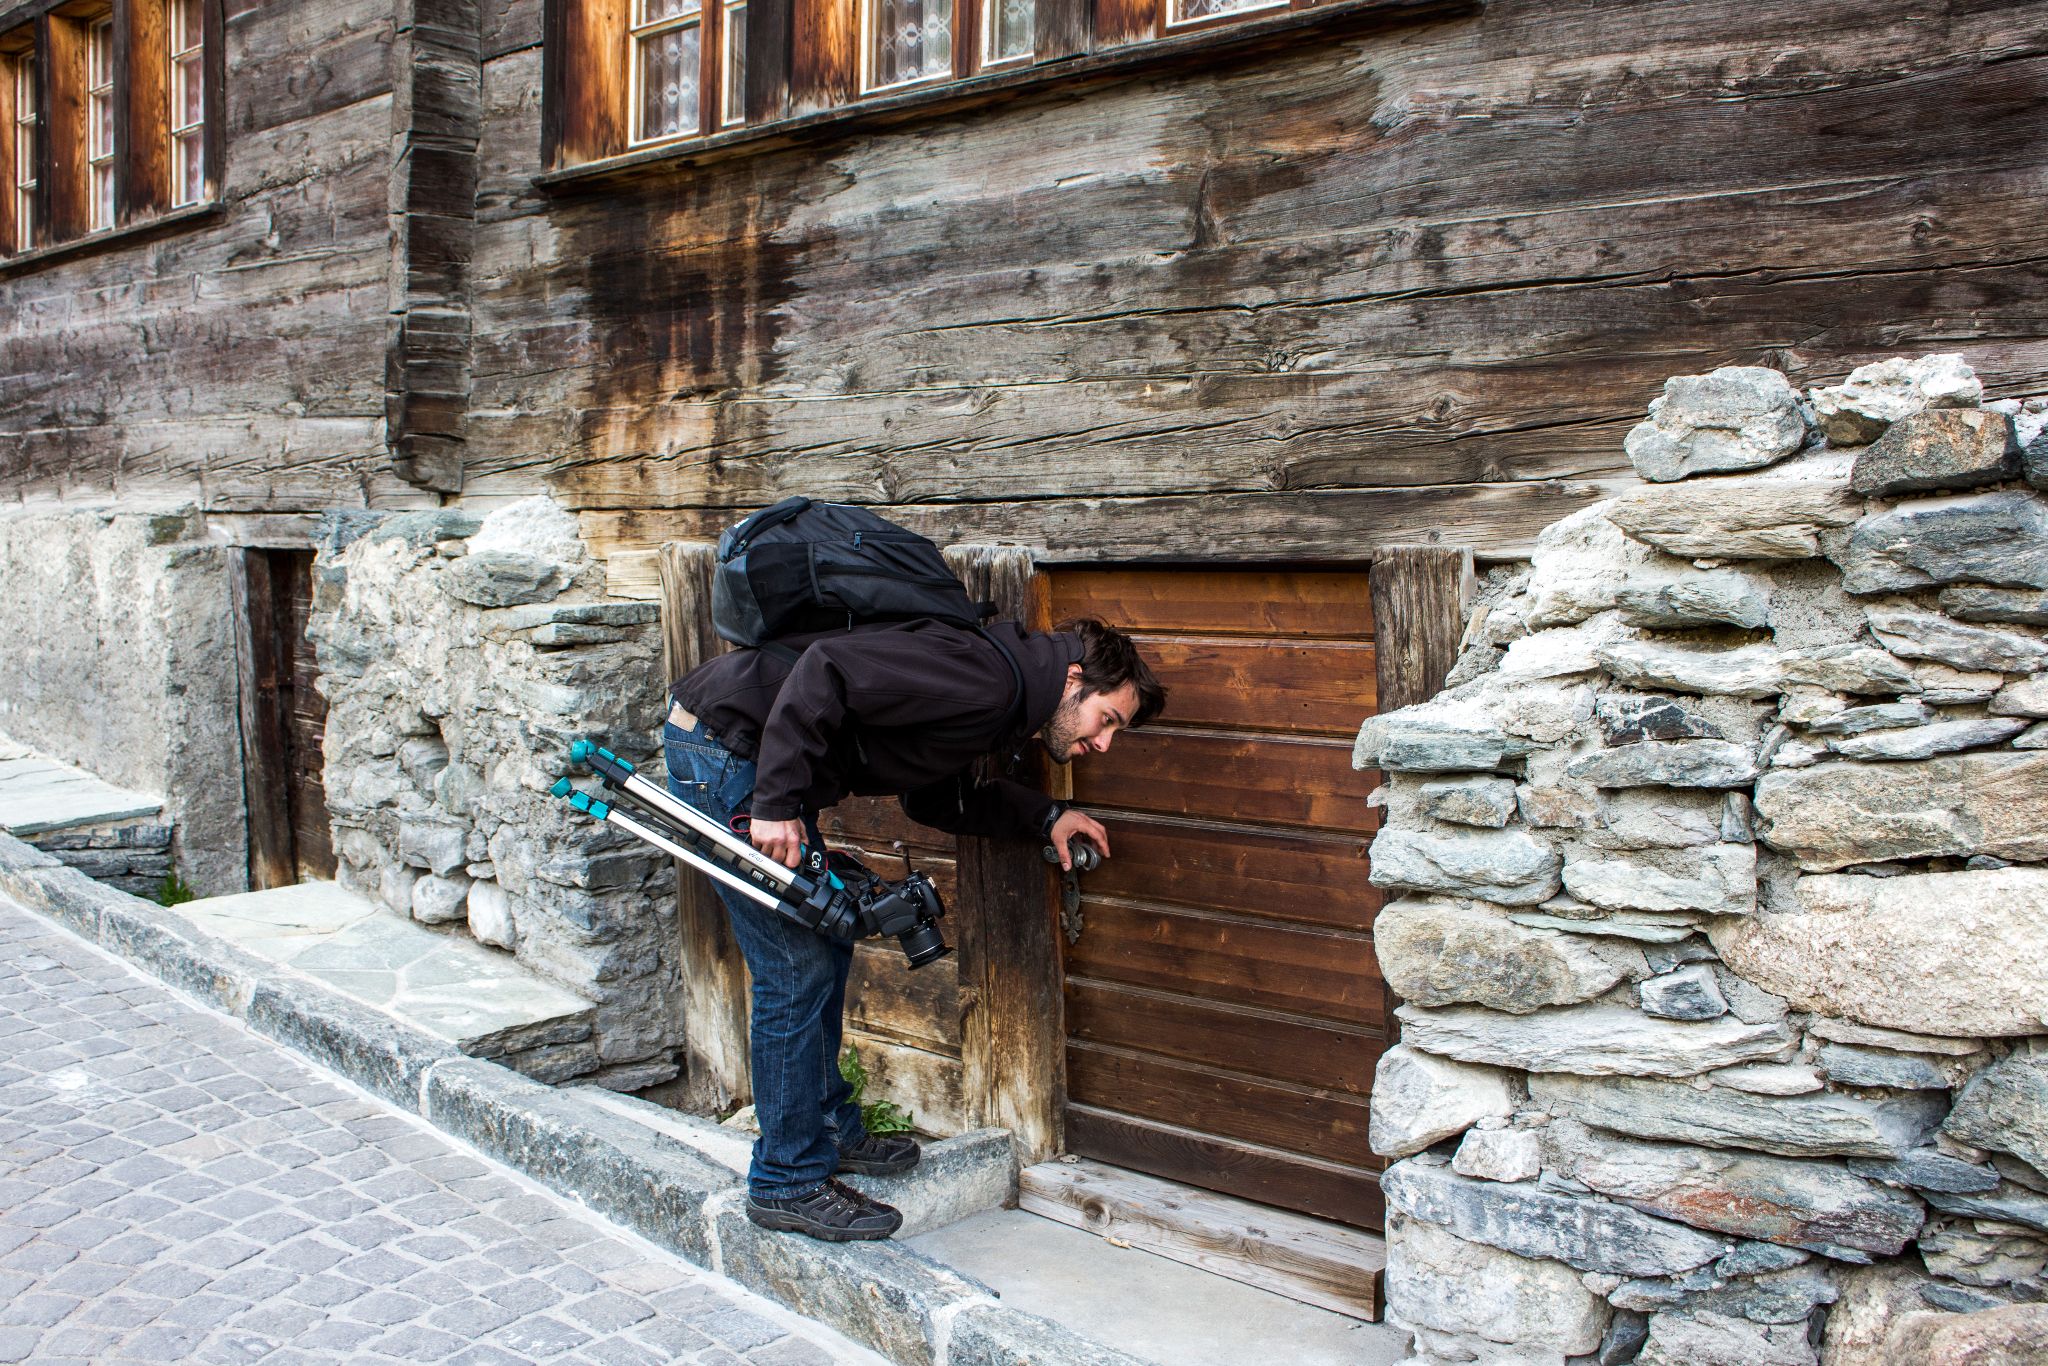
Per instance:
(962,806)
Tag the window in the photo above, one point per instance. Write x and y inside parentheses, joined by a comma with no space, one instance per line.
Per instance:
(905,41)
(109,116)
(624,79)
(20,88)
(99,120)
(667,68)
(188,103)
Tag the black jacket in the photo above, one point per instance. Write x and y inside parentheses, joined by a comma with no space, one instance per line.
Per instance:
(901,709)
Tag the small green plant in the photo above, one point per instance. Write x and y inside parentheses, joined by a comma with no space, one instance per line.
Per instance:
(173,890)
(879,1116)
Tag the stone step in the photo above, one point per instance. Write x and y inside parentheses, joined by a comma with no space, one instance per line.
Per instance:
(1310,1260)
(39,795)
(1151,1307)
(478,999)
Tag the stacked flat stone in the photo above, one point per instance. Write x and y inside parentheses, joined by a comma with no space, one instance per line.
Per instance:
(1718,901)
(460,658)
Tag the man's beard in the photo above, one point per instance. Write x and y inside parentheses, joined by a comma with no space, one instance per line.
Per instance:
(1062,729)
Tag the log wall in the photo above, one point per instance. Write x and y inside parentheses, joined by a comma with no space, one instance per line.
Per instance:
(237,360)
(1395,286)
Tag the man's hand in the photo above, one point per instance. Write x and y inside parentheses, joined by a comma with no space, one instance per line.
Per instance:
(1071,823)
(782,841)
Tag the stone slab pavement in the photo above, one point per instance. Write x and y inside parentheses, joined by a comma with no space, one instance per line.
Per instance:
(174,1187)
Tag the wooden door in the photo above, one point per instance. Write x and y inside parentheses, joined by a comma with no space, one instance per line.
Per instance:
(284,721)
(1224,1009)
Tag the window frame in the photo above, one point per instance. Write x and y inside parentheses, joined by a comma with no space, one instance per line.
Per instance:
(19,90)
(807,66)
(106,138)
(639,31)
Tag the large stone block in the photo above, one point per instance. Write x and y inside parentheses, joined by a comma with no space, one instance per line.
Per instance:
(1739,417)
(1590,1040)
(1873,1299)
(1749,671)
(1849,668)
(1577,569)
(1929,635)
(1414,740)
(1833,815)
(503,578)
(1858,410)
(1801,1203)
(1509,866)
(1531,1220)
(1675,763)
(1926,742)
(1438,1281)
(1941,451)
(1486,802)
(2014,1335)
(2020,606)
(1815,1125)
(1718,879)
(1992,538)
(1679,598)
(1963,954)
(2005,1107)
(1738,519)
(1437,953)
(1704,1338)
(1419,1100)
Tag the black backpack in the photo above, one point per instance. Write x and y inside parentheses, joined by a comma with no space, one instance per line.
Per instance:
(803,567)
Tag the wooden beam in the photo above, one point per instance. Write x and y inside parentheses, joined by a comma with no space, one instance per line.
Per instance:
(1012,1034)
(1310,1260)
(716,988)
(1419,597)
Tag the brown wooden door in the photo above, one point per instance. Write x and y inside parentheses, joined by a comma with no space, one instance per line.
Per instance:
(1224,1007)
(284,722)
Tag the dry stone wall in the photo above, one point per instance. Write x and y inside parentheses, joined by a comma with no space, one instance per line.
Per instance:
(1719,902)
(460,657)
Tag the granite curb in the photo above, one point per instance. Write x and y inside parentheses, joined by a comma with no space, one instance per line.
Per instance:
(906,1306)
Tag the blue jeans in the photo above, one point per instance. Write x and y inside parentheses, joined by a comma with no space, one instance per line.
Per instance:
(804,1106)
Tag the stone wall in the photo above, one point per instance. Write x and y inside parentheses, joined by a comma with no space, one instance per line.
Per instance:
(117,655)
(460,657)
(1719,906)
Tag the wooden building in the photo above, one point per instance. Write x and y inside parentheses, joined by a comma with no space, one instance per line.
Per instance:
(1238,323)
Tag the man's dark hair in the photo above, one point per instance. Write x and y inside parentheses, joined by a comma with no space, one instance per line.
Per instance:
(1110,659)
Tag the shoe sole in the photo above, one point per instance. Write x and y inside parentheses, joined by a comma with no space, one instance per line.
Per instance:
(778,1222)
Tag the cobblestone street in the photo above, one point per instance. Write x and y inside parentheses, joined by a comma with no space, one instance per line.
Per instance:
(174,1188)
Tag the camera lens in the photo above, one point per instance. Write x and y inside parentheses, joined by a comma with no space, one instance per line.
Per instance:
(922,943)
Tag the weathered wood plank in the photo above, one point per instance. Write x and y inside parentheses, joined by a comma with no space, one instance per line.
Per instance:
(304,58)
(1317,1263)
(885,997)
(1309,878)
(1328,1190)
(716,993)
(923,1083)
(1313,1053)
(1497,520)
(1301,604)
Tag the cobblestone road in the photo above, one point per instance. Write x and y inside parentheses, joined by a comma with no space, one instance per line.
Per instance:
(175,1188)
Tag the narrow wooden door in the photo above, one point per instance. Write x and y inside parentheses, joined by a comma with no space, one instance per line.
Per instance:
(1224,1007)
(284,722)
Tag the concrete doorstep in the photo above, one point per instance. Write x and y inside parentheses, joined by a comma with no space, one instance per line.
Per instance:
(665,1180)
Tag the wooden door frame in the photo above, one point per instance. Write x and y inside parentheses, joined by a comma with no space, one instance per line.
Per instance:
(1012,985)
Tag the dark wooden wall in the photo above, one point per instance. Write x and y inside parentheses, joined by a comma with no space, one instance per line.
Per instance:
(238,361)
(1395,286)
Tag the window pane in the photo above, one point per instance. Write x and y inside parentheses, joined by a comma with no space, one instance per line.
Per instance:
(190,96)
(1011,31)
(668,83)
(912,40)
(735,108)
(191,168)
(654,11)
(1209,9)
(185,25)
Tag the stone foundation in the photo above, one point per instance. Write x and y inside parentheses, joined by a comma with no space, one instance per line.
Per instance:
(117,648)
(1719,902)
(460,657)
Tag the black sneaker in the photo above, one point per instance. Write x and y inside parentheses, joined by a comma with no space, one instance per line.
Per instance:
(880,1155)
(832,1212)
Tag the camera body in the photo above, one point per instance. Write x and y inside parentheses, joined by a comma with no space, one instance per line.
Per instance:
(866,905)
